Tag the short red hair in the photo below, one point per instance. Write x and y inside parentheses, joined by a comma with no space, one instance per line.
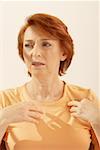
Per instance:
(55,28)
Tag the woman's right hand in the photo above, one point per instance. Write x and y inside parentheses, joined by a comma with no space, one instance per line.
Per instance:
(22,111)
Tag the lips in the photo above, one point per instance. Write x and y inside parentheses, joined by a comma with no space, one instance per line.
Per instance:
(37,63)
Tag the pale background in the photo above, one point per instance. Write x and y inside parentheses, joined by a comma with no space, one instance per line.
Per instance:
(82,19)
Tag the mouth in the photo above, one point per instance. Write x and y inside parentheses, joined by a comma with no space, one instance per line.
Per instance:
(37,64)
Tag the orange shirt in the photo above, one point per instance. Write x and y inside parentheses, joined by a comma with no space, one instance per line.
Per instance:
(58,130)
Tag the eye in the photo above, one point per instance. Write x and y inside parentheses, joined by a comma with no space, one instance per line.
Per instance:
(28,45)
(46,44)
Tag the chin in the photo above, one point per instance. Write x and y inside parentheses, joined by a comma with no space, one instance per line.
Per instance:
(38,73)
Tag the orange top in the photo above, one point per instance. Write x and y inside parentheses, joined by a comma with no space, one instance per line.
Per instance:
(58,130)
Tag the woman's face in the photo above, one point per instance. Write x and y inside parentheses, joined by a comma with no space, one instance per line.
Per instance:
(42,54)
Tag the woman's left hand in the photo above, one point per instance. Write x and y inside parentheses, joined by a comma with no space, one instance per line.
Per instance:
(85,109)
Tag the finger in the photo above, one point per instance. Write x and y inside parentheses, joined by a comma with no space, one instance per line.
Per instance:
(32,120)
(73,103)
(35,115)
(74,114)
(33,106)
(77,112)
(35,109)
(73,109)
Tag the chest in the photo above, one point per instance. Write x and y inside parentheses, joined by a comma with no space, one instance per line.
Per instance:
(56,129)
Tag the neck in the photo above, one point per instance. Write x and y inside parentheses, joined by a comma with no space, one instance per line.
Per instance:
(47,88)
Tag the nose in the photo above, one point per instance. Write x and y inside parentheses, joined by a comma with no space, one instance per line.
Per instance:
(36,52)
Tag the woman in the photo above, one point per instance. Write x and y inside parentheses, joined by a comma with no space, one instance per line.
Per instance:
(46,113)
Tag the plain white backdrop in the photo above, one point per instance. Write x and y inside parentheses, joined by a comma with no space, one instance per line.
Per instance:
(82,19)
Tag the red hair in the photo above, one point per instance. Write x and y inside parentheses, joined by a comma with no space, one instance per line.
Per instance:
(55,28)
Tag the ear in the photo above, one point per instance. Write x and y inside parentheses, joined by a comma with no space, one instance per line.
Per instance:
(63,56)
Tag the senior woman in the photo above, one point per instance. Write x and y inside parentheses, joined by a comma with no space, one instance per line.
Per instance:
(46,113)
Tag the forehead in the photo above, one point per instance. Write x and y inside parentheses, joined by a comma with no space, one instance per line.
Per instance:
(34,32)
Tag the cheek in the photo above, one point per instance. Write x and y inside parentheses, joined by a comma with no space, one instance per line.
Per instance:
(27,60)
(54,61)
(26,56)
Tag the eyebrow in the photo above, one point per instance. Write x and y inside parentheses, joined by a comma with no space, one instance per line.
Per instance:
(28,40)
(40,39)
(46,39)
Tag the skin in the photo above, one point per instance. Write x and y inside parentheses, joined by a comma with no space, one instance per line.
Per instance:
(44,84)
(22,111)
(88,111)
(45,78)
